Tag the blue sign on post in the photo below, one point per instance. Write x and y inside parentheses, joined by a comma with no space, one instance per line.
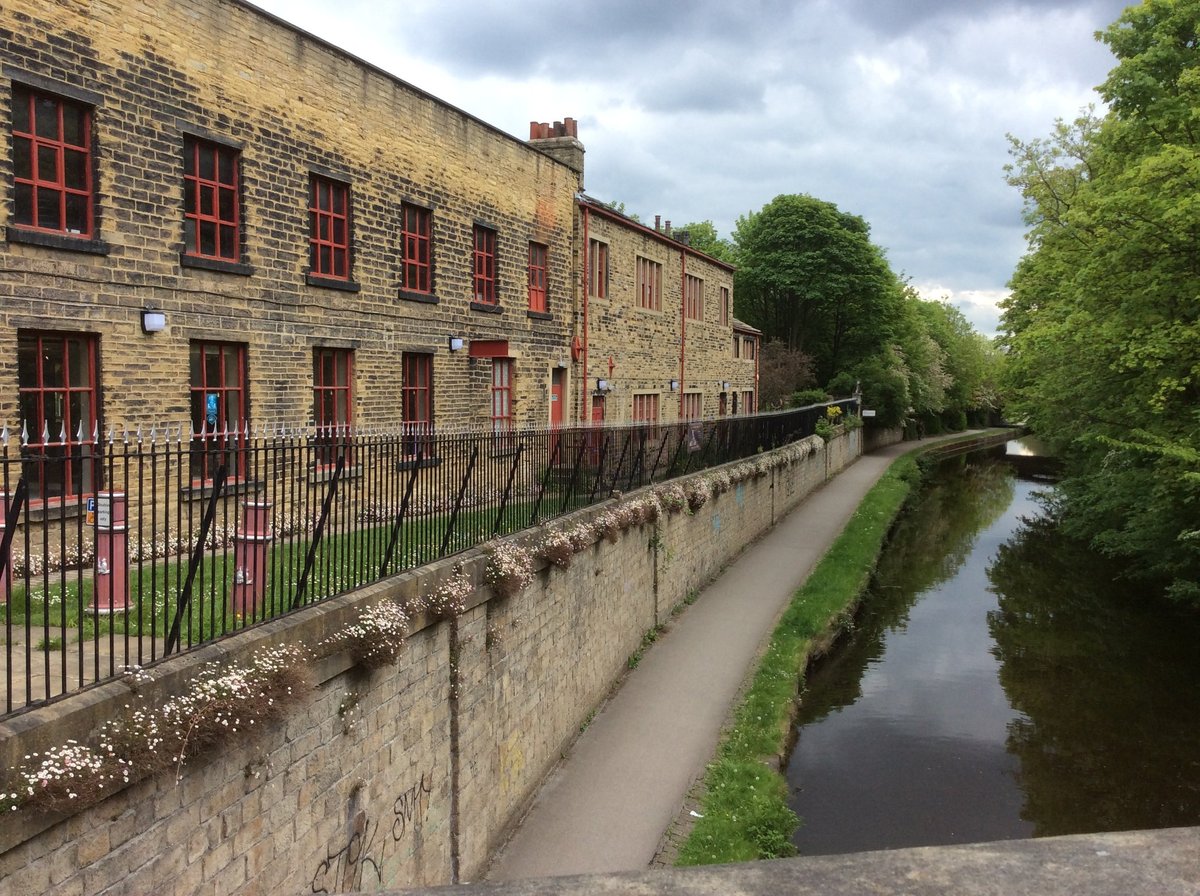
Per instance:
(90,517)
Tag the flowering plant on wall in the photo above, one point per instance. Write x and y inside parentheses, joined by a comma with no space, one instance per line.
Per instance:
(377,638)
(449,599)
(509,568)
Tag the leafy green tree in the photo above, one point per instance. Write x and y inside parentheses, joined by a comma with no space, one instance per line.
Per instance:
(810,276)
(703,236)
(1103,326)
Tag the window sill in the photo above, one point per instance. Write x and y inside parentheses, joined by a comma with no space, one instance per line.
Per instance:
(487,308)
(324,473)
(331,283)
(539,315)
(41,510)
(65,241)
(426,298)
(203,491)
(214,264)
(411,463)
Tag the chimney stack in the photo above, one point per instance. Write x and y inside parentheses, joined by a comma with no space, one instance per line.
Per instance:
(560,141)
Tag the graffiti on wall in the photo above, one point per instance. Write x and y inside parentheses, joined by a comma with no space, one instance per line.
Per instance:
(360,860)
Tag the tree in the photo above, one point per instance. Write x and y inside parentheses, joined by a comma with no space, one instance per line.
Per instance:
(1103,326)
(810,277)
(703,237)
(781,371)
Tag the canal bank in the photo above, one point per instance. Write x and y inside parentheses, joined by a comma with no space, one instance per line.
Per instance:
(608,805)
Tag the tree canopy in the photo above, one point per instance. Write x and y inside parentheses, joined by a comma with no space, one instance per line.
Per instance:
(811,279)
(1103,326)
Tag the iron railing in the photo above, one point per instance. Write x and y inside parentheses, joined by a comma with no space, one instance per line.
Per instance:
(186,537)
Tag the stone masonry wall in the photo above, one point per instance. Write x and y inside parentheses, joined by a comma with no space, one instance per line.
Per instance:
(154,72)
(406,776)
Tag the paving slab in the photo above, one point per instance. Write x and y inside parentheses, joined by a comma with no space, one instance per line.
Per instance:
(607,806)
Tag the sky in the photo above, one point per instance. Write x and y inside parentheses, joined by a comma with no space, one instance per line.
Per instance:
(893,110)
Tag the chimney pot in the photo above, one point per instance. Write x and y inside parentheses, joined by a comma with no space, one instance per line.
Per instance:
(668,227)
(657,222)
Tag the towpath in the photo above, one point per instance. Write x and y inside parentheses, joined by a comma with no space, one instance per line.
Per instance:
(609,803)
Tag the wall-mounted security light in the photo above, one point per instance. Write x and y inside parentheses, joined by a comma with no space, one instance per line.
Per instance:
(601,385)
(153,321)
(455,343)
(724,387)
(674,384)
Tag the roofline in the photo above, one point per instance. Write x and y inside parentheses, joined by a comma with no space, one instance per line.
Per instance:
(596,205)
(396,79)
(745,327)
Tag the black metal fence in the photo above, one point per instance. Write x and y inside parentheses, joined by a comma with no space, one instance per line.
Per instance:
(182,537)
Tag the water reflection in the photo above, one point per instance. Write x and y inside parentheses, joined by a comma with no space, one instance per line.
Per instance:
(996,688)
(1108,683)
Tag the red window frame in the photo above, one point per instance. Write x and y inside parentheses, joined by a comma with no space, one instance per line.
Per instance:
(52,164)
(598,269)
(212,204)
(693,297)
(645,407)
(649,283)
(484,265)
(416,241)
(502,410)
(417,402)
(737,346)
(329,228)
(218,369)
(56,385)
(333,400)
(693,405)
(748,402)
(751,347)
(725,305)
(538,268)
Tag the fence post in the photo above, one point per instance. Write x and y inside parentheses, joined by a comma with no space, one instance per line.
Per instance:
(6,546)
(250,546)
(112,556)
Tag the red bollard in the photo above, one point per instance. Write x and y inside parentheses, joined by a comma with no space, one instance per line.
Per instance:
(6,579)
(250,559)
(112,559)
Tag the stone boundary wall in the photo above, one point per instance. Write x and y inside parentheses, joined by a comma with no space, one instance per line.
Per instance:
(406,776)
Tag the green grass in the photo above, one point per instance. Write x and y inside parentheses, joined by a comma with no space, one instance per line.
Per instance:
(344,561)
(744,807)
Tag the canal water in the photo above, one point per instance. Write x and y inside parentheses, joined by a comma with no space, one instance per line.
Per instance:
(999,682)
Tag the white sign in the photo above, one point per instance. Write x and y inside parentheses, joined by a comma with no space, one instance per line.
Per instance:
(868,413)
(104,513)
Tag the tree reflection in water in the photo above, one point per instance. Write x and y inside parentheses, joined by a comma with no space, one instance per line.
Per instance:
(1107,681)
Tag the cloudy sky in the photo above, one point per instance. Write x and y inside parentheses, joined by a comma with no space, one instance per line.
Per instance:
(895,110)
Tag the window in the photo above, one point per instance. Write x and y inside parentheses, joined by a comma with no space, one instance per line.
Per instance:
(748,402)
(649,284)
(329,228)
(693,297)
(485,265)
(52,163)
(737,346)
(538,255)
(693,405)
(418,403)
(333,397)
(416,238)
(218,392)
(56,380)
(645,408)
(749,349)
(502,414)
(211,212)
(725,306)
(597,269)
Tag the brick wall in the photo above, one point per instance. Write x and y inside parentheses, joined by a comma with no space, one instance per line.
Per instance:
(406,776)
(647,346)
(157,71)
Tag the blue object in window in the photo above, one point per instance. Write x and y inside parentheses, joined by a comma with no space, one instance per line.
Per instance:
(210,409)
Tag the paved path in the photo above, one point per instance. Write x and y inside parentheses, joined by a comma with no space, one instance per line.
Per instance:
(607,806)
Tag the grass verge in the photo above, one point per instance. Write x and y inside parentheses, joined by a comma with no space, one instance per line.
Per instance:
(744,808)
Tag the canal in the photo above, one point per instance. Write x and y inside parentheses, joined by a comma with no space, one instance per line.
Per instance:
(998,682)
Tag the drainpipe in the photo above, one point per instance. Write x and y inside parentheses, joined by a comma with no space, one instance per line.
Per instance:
(583,380)
(682,324)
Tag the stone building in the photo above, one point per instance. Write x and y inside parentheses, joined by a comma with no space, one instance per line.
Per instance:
(212,217)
